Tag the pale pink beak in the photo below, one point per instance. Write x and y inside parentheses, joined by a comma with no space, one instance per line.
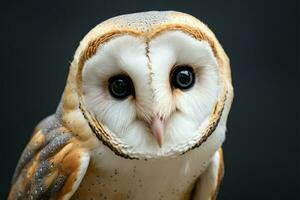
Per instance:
(157,129)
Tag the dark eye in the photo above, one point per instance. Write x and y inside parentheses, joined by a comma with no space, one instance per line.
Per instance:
(183,77)
(120,86)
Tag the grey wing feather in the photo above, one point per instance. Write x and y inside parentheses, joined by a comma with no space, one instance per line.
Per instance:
(51,166)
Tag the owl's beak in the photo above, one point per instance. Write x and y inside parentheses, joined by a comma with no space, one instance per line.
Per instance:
(157,129)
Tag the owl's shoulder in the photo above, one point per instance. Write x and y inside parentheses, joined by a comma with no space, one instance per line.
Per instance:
(51,166)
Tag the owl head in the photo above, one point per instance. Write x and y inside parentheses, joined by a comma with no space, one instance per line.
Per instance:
(150,85)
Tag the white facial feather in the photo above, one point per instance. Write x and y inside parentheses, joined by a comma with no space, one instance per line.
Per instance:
(123,55)
(185,112)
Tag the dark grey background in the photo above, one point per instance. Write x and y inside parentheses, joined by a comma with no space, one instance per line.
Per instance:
(38,40)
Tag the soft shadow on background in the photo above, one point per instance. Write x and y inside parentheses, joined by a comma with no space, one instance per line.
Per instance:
(38,40)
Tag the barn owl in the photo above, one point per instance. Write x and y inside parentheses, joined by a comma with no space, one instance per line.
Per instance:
(143,116)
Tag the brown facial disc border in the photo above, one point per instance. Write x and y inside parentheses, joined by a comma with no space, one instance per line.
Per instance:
(91,49)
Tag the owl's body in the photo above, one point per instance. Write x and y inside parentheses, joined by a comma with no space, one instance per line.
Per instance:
(117,178)
(143,116)
(174,179)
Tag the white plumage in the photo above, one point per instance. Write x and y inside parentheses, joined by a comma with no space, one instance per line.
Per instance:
(183,111)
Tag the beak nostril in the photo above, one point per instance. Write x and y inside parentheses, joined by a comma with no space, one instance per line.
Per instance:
(157,129)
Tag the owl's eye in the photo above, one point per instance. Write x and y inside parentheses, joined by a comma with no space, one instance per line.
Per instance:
(120,86)
(183,77)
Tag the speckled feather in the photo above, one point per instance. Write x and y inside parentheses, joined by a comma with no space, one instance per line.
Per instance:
(49,165)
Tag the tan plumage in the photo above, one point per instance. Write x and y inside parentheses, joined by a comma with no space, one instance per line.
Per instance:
(69,148)
(51,164)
